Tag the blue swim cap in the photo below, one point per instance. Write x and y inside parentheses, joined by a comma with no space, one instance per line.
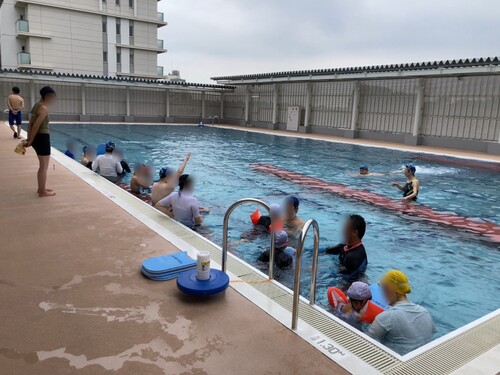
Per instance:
(294,201)
(165,171)
(363,167)
(110,146)
(85,149)
(411,168)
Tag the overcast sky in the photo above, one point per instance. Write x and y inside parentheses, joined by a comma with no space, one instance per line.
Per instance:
(207,38)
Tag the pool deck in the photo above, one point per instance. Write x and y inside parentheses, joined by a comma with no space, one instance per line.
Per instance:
(374,143)
(74,301)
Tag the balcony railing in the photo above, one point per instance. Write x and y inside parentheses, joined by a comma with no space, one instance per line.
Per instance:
(23,58)
(22,26)
(159,71)
(160,17)
(159,44)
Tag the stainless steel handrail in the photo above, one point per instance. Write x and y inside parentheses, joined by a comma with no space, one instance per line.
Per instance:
(225,231)
(298,265)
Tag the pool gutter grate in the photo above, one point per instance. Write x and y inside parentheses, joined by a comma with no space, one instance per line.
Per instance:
(442,358)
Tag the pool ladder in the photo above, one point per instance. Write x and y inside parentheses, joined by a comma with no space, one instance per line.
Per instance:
(225,230)
(298,257)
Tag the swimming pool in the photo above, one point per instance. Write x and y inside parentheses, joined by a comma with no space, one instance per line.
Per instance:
(454,274)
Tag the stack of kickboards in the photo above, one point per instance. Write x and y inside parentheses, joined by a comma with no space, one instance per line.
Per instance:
(167,267)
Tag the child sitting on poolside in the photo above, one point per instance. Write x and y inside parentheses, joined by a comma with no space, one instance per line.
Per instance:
(283,255)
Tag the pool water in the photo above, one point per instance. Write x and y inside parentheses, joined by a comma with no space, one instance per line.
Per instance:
(454,274)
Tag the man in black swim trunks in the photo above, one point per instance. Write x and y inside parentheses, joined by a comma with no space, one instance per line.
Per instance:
(412,186)
(15,103)
(352,255)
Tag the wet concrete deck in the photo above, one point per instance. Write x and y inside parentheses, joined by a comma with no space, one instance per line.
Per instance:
(73,300)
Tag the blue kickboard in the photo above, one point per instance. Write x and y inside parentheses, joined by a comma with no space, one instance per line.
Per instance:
(100,149)
(378,297)
(168,263)
(169,276)
(168,271)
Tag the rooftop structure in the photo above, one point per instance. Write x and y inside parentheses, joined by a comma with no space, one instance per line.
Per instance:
(100,37)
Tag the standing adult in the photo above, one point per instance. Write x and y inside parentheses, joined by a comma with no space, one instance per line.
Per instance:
(39,137)
(16,104)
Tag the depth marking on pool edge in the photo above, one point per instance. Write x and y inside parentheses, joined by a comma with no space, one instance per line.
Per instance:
(486,228)
(328,347)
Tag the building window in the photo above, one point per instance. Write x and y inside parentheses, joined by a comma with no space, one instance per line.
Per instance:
(131,58)
(105,56)
(131,30)
(117,3)
(131,3)
(104,27)
(118,27)
(118,57)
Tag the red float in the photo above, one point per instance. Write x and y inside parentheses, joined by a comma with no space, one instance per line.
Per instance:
(485,228)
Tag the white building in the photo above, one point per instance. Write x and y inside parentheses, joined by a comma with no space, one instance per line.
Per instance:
(96,37)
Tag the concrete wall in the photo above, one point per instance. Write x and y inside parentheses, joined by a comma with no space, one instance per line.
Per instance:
(75,44)
(9,44)
(457,112)
(105,102)
(67,36)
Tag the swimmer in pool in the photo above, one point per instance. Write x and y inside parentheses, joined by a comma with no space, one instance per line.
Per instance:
(168,181)
(359,294)
(70,149)
(283,253)
(263,226)
(88,156)
(108,167)
(292,224)
(405,326)
(184,205)
(352,254)
(142,179)
(412,186)
(363,172)
(275,217)
(118,154)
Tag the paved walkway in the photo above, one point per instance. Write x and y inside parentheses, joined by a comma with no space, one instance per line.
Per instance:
(74,302)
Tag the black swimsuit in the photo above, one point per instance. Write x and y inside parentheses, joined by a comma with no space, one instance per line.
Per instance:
(408,189)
